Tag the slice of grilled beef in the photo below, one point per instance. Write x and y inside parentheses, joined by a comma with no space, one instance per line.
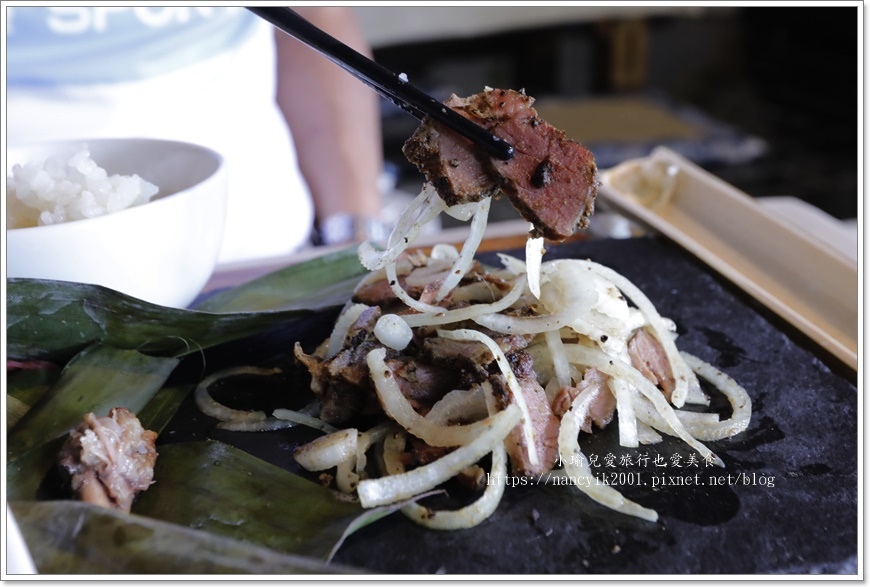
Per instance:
(648,356)
(545,425)
(552,180)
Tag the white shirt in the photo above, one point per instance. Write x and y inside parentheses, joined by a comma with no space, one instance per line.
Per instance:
(199,74)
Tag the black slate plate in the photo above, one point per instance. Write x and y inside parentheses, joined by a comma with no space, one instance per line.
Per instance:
(789,505)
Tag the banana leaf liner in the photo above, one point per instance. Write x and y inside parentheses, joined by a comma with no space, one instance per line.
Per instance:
(120,351)
(54,320)
(68,538)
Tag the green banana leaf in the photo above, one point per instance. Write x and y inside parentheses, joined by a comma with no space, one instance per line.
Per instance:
(318,283)
(100,379)
(216,488)
(25,474)
(68,537)
(120,351)
(28,385)
(24,387)
(15,410)
(159,411)
(54,320)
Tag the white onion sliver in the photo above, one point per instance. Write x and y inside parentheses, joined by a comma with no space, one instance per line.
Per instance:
(475,512)
(386,490)
(298,417)
(741,404)
(462,212)
(577,465)
(512,383)
(619,369)
(512,264)
(434,270)
(396,287)
(421,211)
(695,395)
(524,324)
(259,426)
(703,426)
(443,316)
(211,407)
(366,440)
(469,404)
(646,434)
(561,369)
(476,293)
(328,451)
(625,414)
(346,478)
(469,248)
(684,377)
(412,213)
(444,252)
(697,419)
(393,332)
(397,407)
(394,447)
(534,256)
(341,328)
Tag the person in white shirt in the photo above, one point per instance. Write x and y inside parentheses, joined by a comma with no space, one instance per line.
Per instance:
(217,76)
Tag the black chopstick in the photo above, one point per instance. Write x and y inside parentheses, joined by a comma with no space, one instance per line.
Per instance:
(389,85)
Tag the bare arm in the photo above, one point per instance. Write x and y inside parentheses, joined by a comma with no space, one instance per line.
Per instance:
(334,119)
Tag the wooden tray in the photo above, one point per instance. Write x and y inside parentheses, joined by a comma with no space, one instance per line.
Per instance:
(811,285)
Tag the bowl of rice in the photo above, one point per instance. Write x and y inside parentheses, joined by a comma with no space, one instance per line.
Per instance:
(144,217)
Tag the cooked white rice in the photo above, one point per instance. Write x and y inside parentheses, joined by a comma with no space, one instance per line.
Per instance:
(68,187)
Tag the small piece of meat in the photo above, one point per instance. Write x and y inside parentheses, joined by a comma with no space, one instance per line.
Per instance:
(522,365)
(456,352)
(110,459)
(450,163)
(375,293)
(365,322)
(379,293)
(472,477)
(313,364)
(349,364)
(649,357)
(420,453)
(342,382)
(545,424)
(603,406)
(552,180)
(423,383)
(341,402)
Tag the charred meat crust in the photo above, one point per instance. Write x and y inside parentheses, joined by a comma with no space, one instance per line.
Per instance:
(551,180)
(450,163)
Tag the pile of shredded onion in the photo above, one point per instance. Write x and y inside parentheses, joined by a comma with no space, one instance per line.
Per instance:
(582,320)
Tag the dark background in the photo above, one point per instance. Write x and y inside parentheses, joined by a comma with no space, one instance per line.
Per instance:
(786,75)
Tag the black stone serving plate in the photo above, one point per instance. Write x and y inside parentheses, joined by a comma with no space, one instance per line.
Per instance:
(786,503)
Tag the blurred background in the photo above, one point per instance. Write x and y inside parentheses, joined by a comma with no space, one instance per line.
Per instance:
(765,98)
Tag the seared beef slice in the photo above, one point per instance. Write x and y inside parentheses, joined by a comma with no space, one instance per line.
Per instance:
(551,180)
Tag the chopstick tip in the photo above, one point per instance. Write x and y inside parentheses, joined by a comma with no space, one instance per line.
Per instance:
(502,149)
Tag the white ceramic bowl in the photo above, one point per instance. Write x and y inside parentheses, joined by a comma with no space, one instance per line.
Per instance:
(161,252)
